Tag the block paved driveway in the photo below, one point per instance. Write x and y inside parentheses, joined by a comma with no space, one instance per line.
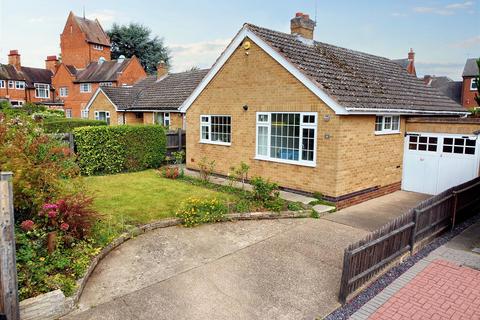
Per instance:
(275,269)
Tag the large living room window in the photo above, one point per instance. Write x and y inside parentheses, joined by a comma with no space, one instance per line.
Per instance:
(216,129)
(42,90)
(387,124)
(103,116)
(287,137)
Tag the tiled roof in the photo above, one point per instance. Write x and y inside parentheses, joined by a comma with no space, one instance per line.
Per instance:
(93,31)
(8,72)
(450,88)
(356,80)
(168,93)
(105,71)
(402,62)
(27,74)
(471,68)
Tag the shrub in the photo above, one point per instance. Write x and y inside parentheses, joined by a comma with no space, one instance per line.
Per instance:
(171,173)
(239,174)
(206,168)
(64,125)
(40,164)
(264,190)
(115,149)
(295,206)
(197,211)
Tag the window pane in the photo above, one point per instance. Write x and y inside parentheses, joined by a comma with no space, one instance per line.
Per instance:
(447,149)
(471,143)
(308,143)
(221,128)
(285,136)
(262,118)
(387,123)
(396,123)
(205,134)
(262,141)
(448,141)
(459,142)
(469,150)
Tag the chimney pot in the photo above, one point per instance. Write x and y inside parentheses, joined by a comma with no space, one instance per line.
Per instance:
(299,14)
(14,59)
(51,63)
(162,69)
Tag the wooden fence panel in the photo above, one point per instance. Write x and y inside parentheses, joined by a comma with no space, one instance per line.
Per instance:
(8,271)
(366,258)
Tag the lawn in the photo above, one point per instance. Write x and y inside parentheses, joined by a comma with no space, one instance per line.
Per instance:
(143,197)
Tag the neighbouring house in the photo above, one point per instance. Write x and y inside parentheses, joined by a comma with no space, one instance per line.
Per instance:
(449,87)
(86,64)
(408,63)
(154,100)
(19,84)
(469,88)
(314,117)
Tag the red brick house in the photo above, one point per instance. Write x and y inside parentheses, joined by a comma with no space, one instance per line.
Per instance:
(86,64)
(469,87)
(19,84)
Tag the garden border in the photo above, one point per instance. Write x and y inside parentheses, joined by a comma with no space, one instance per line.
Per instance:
(54,304)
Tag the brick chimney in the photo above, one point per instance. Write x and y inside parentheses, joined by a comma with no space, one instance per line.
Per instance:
(162,69)
(14,59)
(411,63)
(51,63)
(302,25)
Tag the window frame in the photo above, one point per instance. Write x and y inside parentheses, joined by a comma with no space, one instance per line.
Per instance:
(107,116)
(268,125)
(98,47)
(11,84)
(19,85)
(208,124)
(61,91)
(106,84)
(473,82)
(68,113)
(3,84)
(86,84)
(384,131)
(84,114)
(46,88)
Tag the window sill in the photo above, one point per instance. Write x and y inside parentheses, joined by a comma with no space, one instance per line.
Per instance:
(296,163)
(225,144)
(383,133)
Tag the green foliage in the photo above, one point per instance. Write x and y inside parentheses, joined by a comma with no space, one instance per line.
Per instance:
(27,109)
(40,164)
(314,215)
(64,125)
(197,211)
(295,206)
(135,39)
(114,149)
(206,168)
(276,204)
(239,174)
(264,190)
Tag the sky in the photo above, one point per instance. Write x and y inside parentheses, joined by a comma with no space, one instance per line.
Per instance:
(443,33)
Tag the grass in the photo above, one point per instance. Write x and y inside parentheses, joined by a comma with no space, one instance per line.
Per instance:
(126,200)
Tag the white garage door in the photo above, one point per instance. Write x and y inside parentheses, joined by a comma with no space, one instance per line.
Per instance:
(435,162)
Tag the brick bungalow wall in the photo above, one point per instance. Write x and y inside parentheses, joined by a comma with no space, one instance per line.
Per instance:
(350,158)
(468,96)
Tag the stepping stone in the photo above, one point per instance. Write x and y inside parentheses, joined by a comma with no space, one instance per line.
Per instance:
(320,208)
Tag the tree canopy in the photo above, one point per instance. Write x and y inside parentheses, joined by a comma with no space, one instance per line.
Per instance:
(136,39)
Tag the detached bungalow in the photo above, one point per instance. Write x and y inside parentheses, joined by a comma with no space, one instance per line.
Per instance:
(318,118)
(154,100)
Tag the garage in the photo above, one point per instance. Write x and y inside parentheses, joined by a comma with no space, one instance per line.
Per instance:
(434,162)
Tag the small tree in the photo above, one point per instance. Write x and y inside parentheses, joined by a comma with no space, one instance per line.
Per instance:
(135,39)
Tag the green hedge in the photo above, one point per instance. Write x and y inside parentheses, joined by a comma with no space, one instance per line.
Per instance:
(64,125)
(115,149)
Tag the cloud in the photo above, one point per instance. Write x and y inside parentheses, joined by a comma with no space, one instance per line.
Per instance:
(198,54)
(398,14)
(452,70)
(447,10)
(468,43)
(106,17)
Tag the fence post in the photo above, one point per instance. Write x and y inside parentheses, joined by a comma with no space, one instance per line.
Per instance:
(71,142)
(8,270)
(343,294)
(180,142)
(416,214)
(455,204)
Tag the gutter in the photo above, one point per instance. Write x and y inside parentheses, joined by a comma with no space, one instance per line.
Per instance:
(404,112)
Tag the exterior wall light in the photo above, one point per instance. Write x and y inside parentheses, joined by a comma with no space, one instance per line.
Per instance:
(326,118)
(245,107)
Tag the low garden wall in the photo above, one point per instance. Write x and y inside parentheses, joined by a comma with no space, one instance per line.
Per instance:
(54,304)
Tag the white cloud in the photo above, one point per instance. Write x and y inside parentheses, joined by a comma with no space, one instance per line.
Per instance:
(446,10)
(106,17)
(467,43)
(398,14)
(198,54)
(450,69)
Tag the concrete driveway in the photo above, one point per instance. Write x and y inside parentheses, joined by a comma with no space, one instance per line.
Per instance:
(276,269)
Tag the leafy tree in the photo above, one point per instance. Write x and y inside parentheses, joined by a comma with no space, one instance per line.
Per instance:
(136,39)
(477,80)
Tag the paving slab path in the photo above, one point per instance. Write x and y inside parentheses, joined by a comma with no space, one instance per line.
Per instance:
(269,269)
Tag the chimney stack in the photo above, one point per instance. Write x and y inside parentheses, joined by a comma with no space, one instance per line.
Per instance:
(14,59)
(302,25)
(411,63)
(162,69)
(51,63)
(411,55)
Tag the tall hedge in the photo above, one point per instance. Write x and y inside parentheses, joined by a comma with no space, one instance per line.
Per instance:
(64,125)
(115,149)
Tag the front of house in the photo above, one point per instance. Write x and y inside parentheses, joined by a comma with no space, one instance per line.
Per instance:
(313,117)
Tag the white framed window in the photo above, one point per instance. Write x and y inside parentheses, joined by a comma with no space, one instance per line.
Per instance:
(85,87)
(216,129)
(11,84)
(2,84)
(20,85)
(473,84)
(287,137)
(84,114)
(17,103)
(103,116)
(106,84)
(98,47)
(42,90)
(63,91)
(387,124)
(68,113)
(162,118)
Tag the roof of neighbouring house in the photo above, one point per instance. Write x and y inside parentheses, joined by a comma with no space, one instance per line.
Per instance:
(105,71)
(27,74)
(450,88)
(402,62)
(8,72)
(355,81)
(93,31)
(471,68)
(167,93)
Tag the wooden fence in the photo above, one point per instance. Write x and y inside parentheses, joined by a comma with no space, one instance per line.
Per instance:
(8,272)
(368,257)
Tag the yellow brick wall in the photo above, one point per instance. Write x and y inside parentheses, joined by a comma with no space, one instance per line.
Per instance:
(131,118)
(352,159)
(176,121)
(101,103)
(435,127)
